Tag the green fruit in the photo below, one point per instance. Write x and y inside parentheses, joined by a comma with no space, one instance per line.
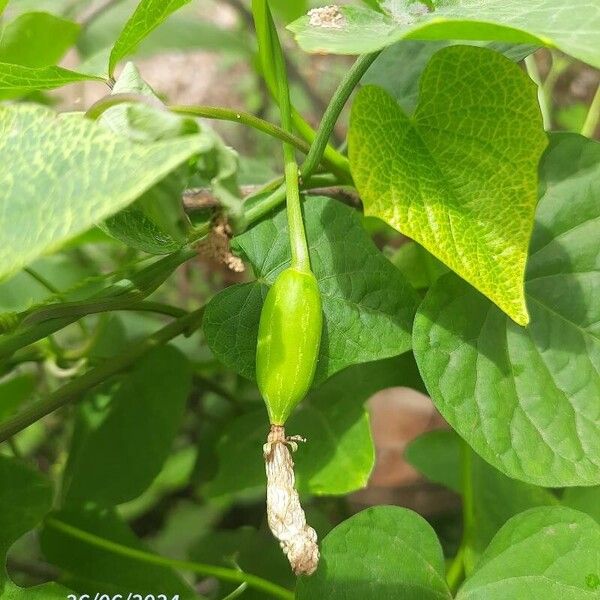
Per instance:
(289,335)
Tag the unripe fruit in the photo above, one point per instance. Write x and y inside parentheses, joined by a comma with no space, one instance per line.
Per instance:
(289,335)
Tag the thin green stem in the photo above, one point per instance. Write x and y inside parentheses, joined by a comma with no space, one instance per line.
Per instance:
(213,386)
(265,32)
(338,101)
(123,294)
(236,116)
(545,107)
(593,116)
(467,489)
(456,571)
(223,573)
(42,280)
(237,592)
(462,564)
(160,308)
(299,246)
(334,109)
(218,113)
(270,51)
(52,289)
(74,389)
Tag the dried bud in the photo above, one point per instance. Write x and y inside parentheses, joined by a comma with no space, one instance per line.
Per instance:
(284,512)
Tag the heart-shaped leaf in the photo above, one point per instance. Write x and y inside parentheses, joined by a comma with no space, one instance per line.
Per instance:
(526,399)
(382,553)
(495,497)
(549,553)
(368,306)
(399,67)
(460,177)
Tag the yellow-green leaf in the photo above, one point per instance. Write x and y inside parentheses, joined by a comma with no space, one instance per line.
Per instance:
(460,176)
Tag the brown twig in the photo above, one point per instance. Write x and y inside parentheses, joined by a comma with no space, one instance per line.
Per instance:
(343,193)
(196,199)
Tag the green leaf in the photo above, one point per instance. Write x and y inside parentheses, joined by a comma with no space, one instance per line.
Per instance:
(585,499)
(25,497)
(137,419)
(436,454)
(526,398)
(88,567)
(495,497)
(399,67)
(13,392)
(338,456)
(420,267)
(384,552)
(549,553)
(75,175)
(368,306)
(553,23)
(36,39)
(445,176)
(22,79)
(155,222)
(47,591)
(147,16)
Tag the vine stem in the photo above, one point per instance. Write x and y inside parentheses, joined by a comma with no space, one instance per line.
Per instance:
(222,573)
(534,73)
(52,289)
(103,301)
(270,50)
(332,159)
(462,565)
(593,116)
(265,32)
(245,118)
(75,388)
(456,570)
(330,117)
